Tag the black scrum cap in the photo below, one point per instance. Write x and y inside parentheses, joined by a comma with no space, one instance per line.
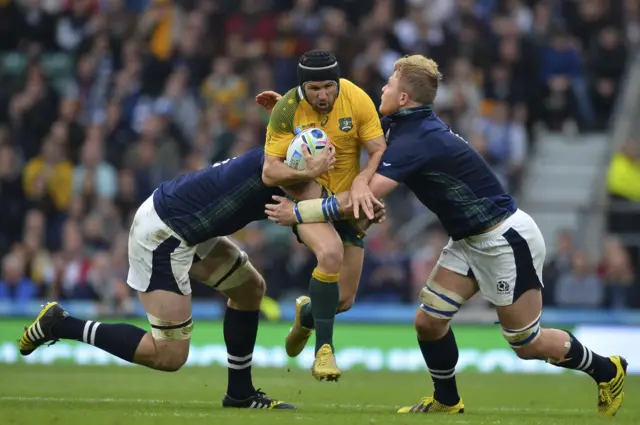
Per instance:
(318,65)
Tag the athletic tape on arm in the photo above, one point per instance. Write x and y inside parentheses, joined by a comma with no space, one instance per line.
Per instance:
(318,210)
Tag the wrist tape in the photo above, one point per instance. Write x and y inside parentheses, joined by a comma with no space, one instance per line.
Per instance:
(318,210)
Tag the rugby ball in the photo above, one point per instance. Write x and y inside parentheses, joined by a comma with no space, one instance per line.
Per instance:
(313,140)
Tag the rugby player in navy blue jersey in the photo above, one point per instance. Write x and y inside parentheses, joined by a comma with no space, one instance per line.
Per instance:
(177,234)
(494,247)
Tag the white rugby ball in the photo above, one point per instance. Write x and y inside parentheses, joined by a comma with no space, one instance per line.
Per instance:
(313,140)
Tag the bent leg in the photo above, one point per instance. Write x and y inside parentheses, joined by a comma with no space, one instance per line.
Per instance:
(166,348)
(158,269)
(441,299)
(348,284)
(508,262)
(521,328)
(324,291)
(227,268)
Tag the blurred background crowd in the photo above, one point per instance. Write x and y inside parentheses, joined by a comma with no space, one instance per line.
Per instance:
(101,100)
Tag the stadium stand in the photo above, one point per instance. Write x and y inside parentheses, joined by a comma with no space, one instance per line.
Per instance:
(101,100)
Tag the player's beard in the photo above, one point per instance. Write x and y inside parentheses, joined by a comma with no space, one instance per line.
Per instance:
(326,109)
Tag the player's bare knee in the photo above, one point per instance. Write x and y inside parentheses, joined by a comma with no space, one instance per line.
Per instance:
(255,288)
(346,303)
(429,328)
(171,360)
(246,289)
(330,257)
(171,340)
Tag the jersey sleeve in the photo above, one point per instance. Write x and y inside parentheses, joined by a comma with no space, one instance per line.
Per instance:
(280,129)
(366,115)
(400,161)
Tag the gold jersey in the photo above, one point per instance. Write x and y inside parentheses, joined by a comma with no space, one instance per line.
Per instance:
(352,121)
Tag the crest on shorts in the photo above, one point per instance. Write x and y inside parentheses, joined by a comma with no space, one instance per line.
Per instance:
(503,287)
(345,124)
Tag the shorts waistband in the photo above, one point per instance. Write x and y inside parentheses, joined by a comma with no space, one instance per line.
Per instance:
(498,231)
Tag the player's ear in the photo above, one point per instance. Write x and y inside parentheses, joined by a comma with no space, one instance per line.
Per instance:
(404,98)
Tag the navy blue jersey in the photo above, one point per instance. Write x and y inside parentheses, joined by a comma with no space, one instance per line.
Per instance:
(444,172)
(216,201)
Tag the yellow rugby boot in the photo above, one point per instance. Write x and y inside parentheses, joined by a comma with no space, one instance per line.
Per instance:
(39,332)
(431,405)
(611,393)
(324,366)
(298,335)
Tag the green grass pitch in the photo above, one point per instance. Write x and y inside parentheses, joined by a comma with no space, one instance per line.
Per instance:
(100,395)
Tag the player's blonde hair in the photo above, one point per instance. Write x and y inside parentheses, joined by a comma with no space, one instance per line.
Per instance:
(419,77)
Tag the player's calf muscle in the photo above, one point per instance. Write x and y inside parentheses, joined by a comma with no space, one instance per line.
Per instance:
(550,346)
(350,276)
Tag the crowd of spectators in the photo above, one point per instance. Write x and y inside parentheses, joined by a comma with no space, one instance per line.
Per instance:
(101,100)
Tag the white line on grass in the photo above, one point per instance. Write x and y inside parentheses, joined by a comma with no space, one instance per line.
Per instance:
(323,405)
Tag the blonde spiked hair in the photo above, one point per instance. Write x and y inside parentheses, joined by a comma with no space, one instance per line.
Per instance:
(419,77)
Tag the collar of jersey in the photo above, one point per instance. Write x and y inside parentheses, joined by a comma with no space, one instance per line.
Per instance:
(409,111)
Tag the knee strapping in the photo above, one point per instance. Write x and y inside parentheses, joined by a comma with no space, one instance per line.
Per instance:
(232,274)
(439,302)
(519,338)
(171,331)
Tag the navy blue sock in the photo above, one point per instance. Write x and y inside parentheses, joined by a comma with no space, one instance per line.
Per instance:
(240,332)
(441,357)
(121,340)
(581,358)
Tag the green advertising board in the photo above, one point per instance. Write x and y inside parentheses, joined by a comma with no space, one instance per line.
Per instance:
(364,347)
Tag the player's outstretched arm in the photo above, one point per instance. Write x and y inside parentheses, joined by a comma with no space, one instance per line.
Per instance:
(334,208)
(362,196)
(277,173)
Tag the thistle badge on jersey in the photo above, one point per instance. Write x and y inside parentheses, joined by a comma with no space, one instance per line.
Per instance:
(345,124)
